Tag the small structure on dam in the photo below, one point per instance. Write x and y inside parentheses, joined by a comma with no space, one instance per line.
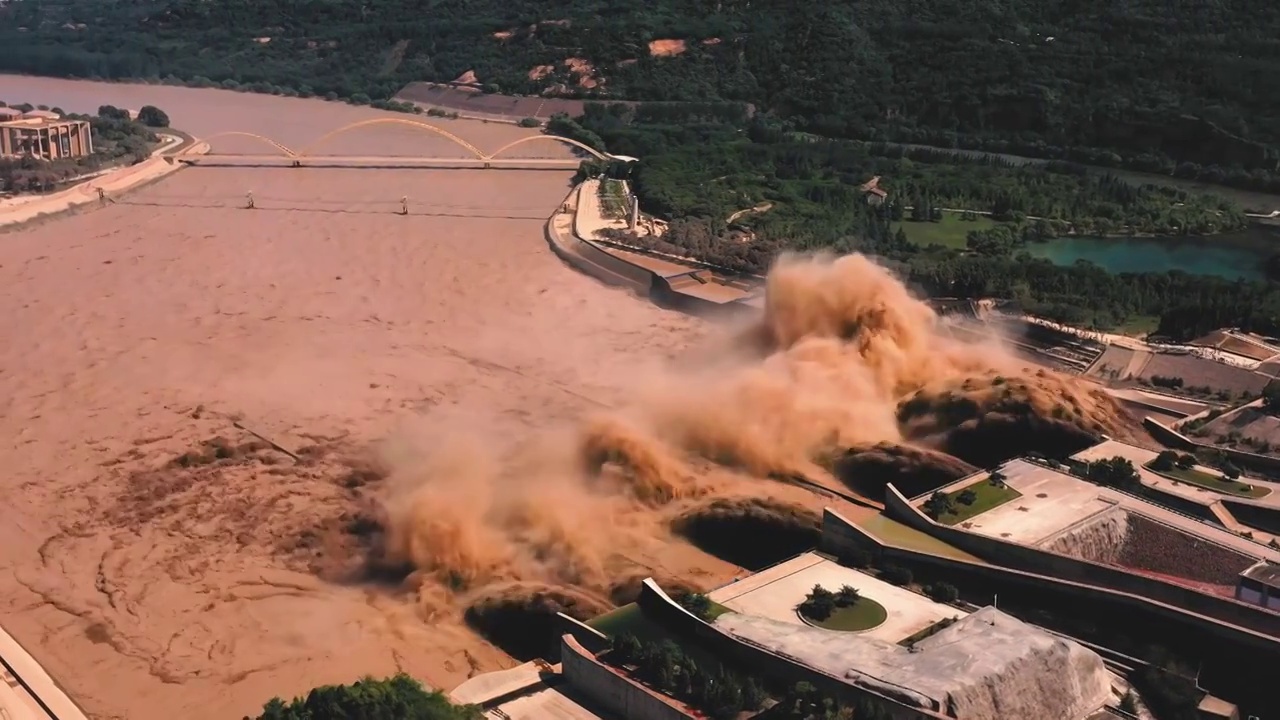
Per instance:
(986,666)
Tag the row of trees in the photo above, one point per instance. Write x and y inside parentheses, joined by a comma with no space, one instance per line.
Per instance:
(718,692)
(397,698)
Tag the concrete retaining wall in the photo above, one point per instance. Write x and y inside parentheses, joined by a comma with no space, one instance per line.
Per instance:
(591,639)
(1261,517)
(1184,505)
(640,278)
(776,668)
(840,536)
(1012,556)
(612,690)
(1172,438)
(585,257)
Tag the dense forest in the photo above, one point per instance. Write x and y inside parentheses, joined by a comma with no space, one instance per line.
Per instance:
(1186,87)
(702,167)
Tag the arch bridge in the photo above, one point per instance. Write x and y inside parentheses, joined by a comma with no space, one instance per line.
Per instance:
(310,155)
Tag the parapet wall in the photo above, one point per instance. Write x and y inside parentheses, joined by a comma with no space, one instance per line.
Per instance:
(611,689)
(1263,517)
(1174,439)
(588,259)
(1037,565)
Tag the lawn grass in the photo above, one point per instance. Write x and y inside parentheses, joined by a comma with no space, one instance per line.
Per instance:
(1138,326)
(989,496)
(1199,478)
(862,615)
(950,232)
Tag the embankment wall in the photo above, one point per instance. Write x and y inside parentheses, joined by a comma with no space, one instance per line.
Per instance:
(1167,597)
(611,689)
(1172,438)
(1261,517)
(24,209)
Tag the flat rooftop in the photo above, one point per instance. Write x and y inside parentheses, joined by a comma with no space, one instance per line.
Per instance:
(774,594)
(548,703)
(1051,502)
(976,652)
(533,691)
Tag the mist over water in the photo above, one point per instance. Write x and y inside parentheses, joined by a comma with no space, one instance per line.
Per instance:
(842,358)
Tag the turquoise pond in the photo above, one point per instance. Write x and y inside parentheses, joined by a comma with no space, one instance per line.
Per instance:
(1238,255)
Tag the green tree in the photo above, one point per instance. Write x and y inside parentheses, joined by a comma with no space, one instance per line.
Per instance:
(397,698)
(152,116)
(938,504)
(1167,460)
(1271,397)
(1116,472)
(819,604)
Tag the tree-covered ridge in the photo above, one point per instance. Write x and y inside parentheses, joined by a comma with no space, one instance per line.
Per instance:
(1191,86)
(698,172)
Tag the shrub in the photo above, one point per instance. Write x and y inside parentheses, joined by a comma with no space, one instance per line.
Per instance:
(1165,461)
(967,497)
(152,116)
(1230,471)
(938,504)
(698,604)
(1186,461)
(819,604)
(942,592)
(896,575)
(530,122)
(847,596)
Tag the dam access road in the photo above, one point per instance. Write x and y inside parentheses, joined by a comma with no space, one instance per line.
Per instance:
(141,330)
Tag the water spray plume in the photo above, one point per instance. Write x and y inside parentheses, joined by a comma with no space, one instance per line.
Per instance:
(842,360)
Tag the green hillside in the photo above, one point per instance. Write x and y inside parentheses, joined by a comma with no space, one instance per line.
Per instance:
(1164,85)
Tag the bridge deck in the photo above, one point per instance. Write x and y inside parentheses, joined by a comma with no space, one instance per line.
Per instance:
(373,161)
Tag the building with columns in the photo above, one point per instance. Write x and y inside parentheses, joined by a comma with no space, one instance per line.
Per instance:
(45,138)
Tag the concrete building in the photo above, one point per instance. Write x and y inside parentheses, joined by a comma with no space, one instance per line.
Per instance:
(45,138)
(1260,585)
(985,666)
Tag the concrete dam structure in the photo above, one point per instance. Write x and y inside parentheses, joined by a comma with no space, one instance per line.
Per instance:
(986,666)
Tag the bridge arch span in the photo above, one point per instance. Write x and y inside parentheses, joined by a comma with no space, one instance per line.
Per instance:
(568,141)
(396,121)
(288,152)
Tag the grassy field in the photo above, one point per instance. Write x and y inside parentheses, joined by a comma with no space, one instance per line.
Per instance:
(1217,483)
(989,496)
(949,232)
(862,615)
(1138,326)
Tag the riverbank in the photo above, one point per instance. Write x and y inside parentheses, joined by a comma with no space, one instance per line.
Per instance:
(97,188)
